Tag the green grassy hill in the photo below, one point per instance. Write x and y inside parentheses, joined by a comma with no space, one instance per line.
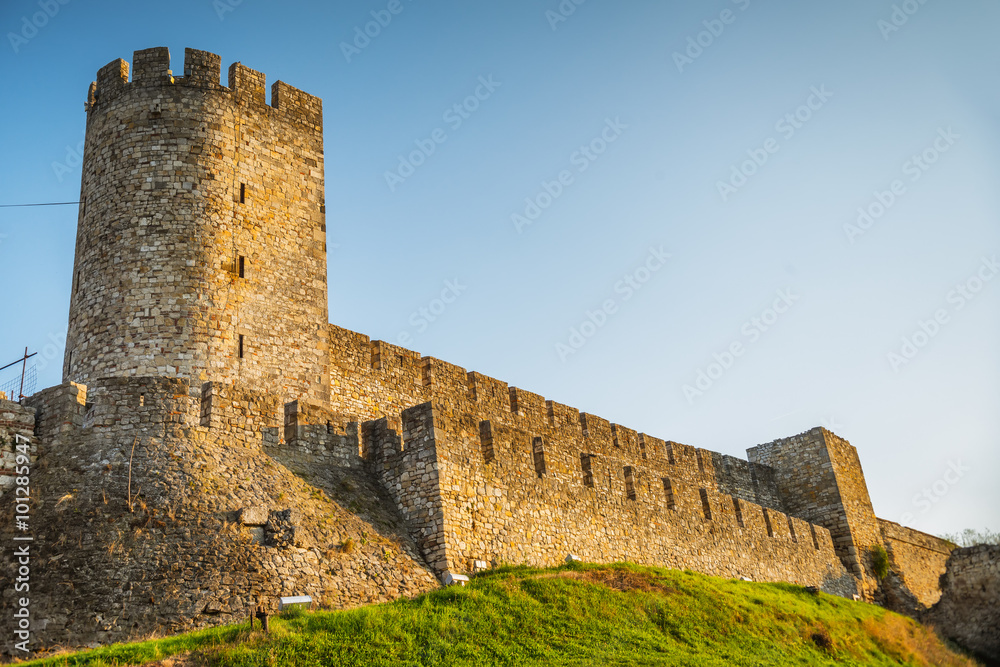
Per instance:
(573,615)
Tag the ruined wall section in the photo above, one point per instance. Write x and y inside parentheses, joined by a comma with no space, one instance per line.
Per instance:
(201,236)
(918,558)
(967,612)
(535,485)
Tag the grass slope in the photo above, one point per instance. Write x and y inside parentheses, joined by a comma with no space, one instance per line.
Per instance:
(572,615)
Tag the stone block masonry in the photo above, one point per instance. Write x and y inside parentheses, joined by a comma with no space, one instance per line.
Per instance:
(15,421)
(969,609)
(535,492)
(919,558)
(216,440)
(201,242)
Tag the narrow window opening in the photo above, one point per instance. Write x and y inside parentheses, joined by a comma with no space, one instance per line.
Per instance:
(791,530)
(329,427)
(668,491)
(701,462)
(812,529)
(241,266)
(588,470)
(486,440)
(670,454)
(705,506)
(243,193)
(142,399)
(767,523)
(538,454)
(629,483)
(642,445)
(739,511)
(76,287)
(241,346)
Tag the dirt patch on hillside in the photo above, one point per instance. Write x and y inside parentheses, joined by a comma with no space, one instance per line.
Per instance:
(623,580)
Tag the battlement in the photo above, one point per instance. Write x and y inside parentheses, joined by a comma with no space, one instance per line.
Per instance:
(504,490)
(202,70)
(373,379)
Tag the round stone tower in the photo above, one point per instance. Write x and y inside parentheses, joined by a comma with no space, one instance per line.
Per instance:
(201,242)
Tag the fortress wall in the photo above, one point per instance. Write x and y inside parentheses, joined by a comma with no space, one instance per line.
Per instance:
(315,434)
(919,558)
(374,379)
(128,543)
(59,411)
(17,423)
(244,414)
(143,406)
(516,495)
(406,463)
(967,612)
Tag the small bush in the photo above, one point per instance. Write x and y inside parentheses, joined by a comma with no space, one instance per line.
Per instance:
(347,546)
(822,640)
(880,561)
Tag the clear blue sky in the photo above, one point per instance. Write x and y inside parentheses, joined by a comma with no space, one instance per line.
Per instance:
(868,98)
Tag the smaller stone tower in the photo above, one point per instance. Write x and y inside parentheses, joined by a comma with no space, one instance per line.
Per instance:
(820,479)
(201,242)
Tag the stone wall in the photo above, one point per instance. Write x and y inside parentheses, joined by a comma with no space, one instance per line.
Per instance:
(410,474)
(17,425)
(201,241)
(517,488)
(969,609)
(373,380)
(820,479)
(144,521)
(918,558)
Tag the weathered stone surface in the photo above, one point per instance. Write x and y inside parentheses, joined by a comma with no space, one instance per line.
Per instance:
(969,609)
(201,241)
(217,442)
(918,559)
(254,516)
